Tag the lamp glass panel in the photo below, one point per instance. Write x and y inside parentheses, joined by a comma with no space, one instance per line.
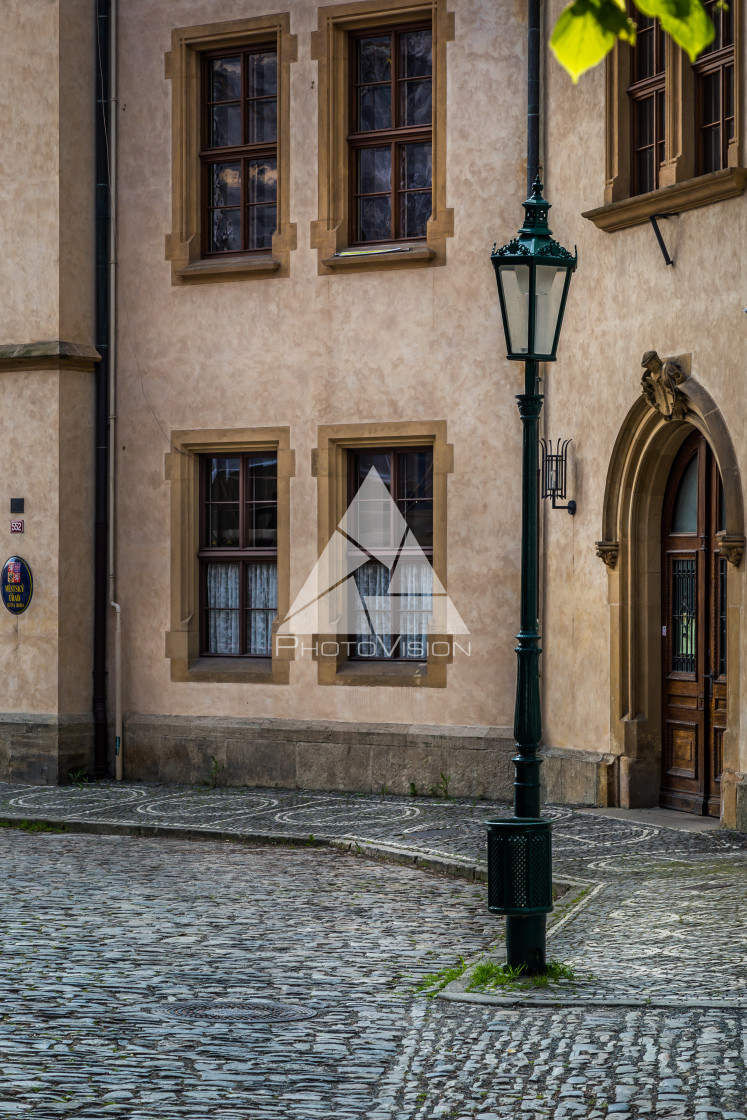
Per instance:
(550,281)
(515,284)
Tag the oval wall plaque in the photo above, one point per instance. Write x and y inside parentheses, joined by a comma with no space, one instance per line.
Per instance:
(17,586)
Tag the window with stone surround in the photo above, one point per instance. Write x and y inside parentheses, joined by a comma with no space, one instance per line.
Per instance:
(231,150)
(230,554)
(414,460)
(673,129)
(382,135)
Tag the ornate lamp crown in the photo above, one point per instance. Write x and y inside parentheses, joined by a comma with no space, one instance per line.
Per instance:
(534,239)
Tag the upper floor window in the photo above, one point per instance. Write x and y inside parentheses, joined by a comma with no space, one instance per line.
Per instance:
(648,116)
(239,150)
(238,554)
(714,93)
(390,140)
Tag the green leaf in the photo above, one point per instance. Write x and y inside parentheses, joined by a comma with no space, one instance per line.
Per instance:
(586,31)
(685,20)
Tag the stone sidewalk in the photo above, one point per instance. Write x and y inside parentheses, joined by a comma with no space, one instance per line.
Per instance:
(657,915)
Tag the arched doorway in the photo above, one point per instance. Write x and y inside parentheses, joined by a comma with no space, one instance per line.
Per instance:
(694,576)
(650,452)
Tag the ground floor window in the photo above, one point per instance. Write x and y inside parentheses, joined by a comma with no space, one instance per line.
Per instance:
(390,496)
(238,554)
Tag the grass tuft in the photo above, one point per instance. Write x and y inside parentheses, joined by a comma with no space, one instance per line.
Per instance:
(489,975)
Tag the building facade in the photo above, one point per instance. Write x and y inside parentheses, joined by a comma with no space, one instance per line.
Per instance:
(303,205)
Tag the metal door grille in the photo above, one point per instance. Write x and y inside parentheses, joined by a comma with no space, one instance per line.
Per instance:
(683,616)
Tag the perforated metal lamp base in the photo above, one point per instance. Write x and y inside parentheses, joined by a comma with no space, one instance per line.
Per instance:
(520,886)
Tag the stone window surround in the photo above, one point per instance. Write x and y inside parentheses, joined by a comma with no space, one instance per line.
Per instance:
(183,472)
(679,188)
(329,466)
(182,67)
(329,46)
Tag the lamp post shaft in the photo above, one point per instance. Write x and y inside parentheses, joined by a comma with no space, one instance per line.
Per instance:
(527,713)
(526,935)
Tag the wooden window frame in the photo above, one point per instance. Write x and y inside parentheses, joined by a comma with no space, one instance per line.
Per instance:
(427,550)
(711,62)
(652,87)
(680,188)
(184,67)
(330,46)
(330,468)
(394,137)
(242,554)
(241,153)
(184,638)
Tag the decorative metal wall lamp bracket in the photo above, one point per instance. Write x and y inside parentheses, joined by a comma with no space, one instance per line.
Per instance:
(554,473)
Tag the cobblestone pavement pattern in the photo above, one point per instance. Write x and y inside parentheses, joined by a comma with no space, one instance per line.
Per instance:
(100,934)
(103,938)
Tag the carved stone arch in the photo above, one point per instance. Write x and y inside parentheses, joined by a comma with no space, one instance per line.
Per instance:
(639,468)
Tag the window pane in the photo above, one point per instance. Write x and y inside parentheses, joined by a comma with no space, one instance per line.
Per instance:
(372,615)
(262,74)
(261,599)
(710,143)
(223,479)
(411,589)
(374,170)
(416,54)
(262,222)
(262,478)
(226,184)
(645,66)
(375,59)
(685,519)
(225,231)
(223,608)
(226,125)
(262,180)
(710,98)
(380,460)
(729,100)
(224,526)
(416,474)
(419,518)
(262,525)
(263,122)
(375,219)
(374,107)
(415,102)
(225,79)
(414,166)
(414,212)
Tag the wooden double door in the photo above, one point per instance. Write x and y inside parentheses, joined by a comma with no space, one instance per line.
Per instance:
(693,633)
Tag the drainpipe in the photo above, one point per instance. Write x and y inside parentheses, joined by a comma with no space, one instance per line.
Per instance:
(100,761)
(103,592)
(113,231)
(533,93)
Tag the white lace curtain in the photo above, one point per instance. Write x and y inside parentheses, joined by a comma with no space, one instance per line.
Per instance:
(402,610)
(223,607)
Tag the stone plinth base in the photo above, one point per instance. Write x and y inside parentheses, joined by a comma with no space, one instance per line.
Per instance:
(317,754)
(572,777)
(43,749)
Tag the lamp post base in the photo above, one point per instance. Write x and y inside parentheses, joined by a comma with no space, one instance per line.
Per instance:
(525,943)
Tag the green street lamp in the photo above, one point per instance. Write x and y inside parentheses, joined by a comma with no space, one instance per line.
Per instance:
(534,274)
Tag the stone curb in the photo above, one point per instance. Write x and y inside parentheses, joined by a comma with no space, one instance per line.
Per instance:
(451,866)
(526,1001)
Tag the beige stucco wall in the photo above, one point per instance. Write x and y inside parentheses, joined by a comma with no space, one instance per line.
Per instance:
(46,211)
(46,404)
(624,301)
(310,350)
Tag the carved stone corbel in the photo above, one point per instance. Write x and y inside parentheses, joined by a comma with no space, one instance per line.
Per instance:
(731,547)
(607,551)
(660,385)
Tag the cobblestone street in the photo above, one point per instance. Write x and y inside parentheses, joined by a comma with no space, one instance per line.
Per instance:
(137,970)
